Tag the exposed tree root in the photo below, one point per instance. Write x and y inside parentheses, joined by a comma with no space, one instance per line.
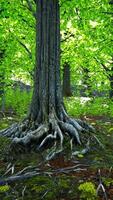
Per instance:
(29,172)
(28,135)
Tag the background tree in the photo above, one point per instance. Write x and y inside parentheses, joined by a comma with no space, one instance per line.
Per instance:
(66,80)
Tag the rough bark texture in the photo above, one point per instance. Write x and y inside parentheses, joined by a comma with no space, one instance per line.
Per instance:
(47,89)
(66,81)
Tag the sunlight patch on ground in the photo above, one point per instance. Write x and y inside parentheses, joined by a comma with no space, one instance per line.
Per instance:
(83,100)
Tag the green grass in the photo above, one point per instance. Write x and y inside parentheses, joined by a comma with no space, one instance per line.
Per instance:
(81,106)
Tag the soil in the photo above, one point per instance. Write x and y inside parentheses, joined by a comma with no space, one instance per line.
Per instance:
(60,178)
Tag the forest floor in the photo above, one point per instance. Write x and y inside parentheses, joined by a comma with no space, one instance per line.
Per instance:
(63,177)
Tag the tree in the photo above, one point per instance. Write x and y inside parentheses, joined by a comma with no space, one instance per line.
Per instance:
(2,82)
(47,120)
(66,80)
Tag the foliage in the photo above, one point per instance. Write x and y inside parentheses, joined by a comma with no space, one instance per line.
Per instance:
(86,39)
(88,191)
(16,58)
(4,188)
(107,181)
(77,106)
(17,101)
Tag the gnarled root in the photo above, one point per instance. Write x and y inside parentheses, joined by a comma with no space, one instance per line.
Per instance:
(29,135)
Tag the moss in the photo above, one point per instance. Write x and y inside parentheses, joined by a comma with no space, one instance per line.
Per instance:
(64,183)
(4,141)
(88,191)
(107,181)
(4,188)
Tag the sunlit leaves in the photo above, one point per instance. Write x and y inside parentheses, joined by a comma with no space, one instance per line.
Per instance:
(86,33)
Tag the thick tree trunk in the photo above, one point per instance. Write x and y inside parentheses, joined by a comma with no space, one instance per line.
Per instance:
(66,81)
(48,121)
(47,88)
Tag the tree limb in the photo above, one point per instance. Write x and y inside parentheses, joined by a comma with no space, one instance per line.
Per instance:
(108,13)
(105,68)
(28,51)
(66,38)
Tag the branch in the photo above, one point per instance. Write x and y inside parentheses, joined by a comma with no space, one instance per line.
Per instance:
(30,8)
(109,13)
(105,68)
(24,20)
(28,51)
(66,38)
(101,186)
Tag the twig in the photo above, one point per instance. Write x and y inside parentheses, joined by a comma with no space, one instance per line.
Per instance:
(23,191)
(105,68)
(45,194)
(23,170)
(25,47)
(101,145)
(67,37)
(109,13)
(100,186)
(9,169)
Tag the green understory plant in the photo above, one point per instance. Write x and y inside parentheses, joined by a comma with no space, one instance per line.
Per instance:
(87,191)
(4,188)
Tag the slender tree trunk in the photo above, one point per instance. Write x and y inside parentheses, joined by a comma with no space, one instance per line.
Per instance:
(111,86)
(2,82)
(111,81)
(86,82)
(66,81)
(47,88)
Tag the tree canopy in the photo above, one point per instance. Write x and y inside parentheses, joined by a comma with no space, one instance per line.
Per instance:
(86,36)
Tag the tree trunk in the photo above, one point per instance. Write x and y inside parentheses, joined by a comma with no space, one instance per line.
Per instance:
(66,81)
(48,121)
(111,81)
(47,87)
(86,82)
(2,92)
(111,86)
(2,82)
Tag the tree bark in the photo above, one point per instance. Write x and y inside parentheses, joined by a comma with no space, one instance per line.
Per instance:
(47,87)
